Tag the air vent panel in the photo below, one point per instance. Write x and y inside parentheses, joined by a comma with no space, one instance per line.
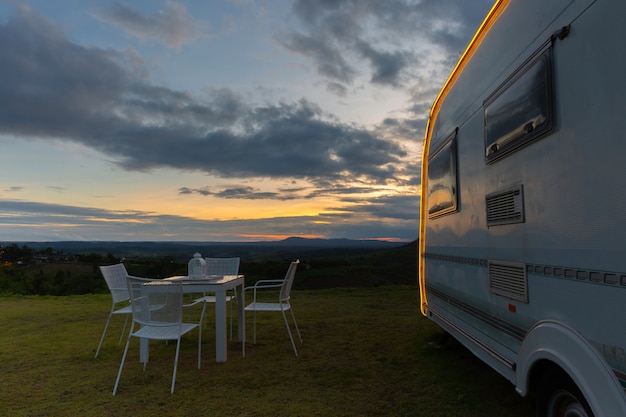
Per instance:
(509,280)
(505,207)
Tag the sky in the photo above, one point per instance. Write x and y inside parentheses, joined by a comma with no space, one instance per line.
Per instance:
(220,120)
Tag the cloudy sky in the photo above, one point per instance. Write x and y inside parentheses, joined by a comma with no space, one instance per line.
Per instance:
(221,120)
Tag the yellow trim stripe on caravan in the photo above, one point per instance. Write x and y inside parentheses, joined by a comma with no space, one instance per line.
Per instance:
(492,17)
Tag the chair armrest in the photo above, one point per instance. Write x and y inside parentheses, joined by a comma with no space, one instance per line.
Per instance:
(264,284)
(192,303)
(267,283)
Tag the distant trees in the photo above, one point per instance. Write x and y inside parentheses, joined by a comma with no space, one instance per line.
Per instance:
(14,253)
(24,255)
(50,279)
(49,272)
(97,259)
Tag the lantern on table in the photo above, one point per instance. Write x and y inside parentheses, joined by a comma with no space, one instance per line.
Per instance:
(196,267)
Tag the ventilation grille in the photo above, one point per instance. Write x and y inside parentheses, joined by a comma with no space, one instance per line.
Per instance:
(508,280)
(505,207)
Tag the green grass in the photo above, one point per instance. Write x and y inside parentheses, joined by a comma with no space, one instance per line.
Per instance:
(366,352)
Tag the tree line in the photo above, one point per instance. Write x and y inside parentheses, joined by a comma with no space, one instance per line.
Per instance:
(24,271)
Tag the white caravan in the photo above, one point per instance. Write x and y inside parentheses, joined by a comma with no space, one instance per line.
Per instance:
(522,250)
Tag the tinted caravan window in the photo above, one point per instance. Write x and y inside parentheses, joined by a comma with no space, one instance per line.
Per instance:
(520,110)
(442,179)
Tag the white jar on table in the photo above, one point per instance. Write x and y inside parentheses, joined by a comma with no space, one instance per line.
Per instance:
(196,267)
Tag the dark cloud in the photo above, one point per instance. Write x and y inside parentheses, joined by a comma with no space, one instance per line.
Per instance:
(45,212)
(337,89)
(390,207)
(249,193)
(14,189)
(185,190)
(202,191)
(403,205)
(101,98)
(328,58)
(242,193)
(283,194)
(386,67)
(408,130)
(173,26)
(340,35)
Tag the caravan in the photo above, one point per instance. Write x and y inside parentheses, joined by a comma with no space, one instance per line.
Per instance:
(522,250)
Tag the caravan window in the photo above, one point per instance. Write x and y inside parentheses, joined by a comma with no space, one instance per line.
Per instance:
(520,110)
(442,179)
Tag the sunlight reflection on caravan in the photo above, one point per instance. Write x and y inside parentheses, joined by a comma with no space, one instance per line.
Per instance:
(522,250)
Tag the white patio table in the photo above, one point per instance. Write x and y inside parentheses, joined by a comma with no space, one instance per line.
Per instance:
(218,285)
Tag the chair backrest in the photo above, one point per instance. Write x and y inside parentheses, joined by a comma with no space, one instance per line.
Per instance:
(285,290)
(115,277)
(222,266)
(156,302)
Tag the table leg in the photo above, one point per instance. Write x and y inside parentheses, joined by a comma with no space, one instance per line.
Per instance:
(220,326)
(241,317)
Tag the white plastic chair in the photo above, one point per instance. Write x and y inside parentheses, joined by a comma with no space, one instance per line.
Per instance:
(115,277)
(157,308)
(219,266)
(283,304)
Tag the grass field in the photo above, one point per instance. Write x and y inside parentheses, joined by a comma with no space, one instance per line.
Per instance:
(366,352)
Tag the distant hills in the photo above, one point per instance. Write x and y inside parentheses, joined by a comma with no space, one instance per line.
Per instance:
(248,251)
(332,243)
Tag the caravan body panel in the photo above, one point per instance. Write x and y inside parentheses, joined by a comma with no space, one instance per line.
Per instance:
(522,224)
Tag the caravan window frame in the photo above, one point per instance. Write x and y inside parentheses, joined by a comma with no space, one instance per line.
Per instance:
(443,188)
(520,110)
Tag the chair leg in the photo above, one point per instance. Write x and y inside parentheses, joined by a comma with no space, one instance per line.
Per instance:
(289,331)
(254,332)
(296,324)
(199,344)
(202,315)
(106,326)
(175,365)
(119,373)
(123,329)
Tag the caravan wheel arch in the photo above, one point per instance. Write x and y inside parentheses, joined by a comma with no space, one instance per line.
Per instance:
(551,344)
